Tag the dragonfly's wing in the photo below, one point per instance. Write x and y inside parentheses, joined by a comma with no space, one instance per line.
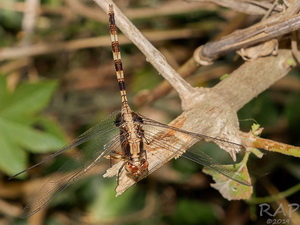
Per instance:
(200,137)
(102,128)
(173,142)
(97,142)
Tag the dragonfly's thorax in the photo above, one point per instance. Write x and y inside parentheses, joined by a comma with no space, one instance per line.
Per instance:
(131,137)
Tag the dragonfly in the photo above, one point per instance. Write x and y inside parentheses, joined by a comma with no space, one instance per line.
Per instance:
(125,138)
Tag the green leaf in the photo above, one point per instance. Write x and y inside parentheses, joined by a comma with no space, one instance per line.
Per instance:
(10,19)
(229,188)
(29,138)
(255,127)
(51,127)
(223,77)
(13,158)
(28,98)
(18,118)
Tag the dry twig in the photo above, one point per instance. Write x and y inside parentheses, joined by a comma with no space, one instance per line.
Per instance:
(250,7)
(46,48)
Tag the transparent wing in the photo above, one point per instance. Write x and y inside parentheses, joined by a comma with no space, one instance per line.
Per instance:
(97,142)
(200,137)
(102,127)
(175,142)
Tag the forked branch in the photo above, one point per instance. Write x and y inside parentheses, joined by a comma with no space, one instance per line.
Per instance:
(207,111)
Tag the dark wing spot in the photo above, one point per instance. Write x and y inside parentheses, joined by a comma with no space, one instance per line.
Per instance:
(118,120)
(137,118)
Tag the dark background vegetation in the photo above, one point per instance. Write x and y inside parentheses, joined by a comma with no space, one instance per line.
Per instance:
(58,95)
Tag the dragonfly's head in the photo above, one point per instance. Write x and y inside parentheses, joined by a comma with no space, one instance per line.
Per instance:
(136,170)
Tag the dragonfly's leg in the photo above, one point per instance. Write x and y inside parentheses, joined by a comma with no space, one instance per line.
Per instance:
(119,172)
(147,140)
(143,154)
(114,157)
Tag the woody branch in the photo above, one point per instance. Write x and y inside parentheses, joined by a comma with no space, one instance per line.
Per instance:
(210,111)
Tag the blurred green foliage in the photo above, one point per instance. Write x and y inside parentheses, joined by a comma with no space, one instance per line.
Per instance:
(262,109)
(107,207)
(194,212)
(23,130)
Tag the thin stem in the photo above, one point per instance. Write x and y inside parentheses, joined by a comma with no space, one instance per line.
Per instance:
(275,197)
